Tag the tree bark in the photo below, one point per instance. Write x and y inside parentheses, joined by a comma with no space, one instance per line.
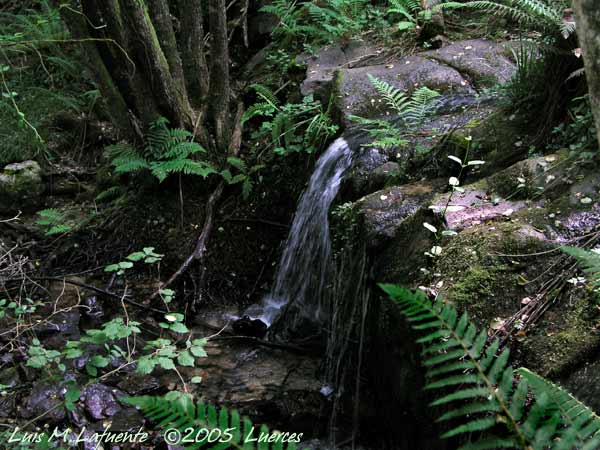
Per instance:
(219,73)
(588,32)
(78,27)
(106,22)
(145,45)
(161,18)
(191,45)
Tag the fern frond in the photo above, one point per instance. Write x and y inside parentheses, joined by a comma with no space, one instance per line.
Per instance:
(589,260)
(157,138)
(393,97)
(480,379)
(420,104)
(163,169)
(183,414)
(583,425)
(536,13)
(258,109)
(109,194)
(49,216)
(266,94)
(183,150)
(130,163)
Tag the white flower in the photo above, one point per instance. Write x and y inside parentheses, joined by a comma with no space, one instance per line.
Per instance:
(469,138)
(476,162)
(430,227)
(436,250)
(576,280)
(453,181)
(449,233)
(383,197)
(171,318)
(455,158)
(586,200)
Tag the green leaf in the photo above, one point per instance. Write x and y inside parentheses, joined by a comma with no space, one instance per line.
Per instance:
(166,363)
(185,359)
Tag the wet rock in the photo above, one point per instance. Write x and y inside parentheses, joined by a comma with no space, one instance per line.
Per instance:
(47,399)
(532,177)
(128,419)
(320,68)
(382,175)
(100,401)
(250,327)
(484,62)
(270,385)
(495,138)
(21,185)
(67,324)
(138,384)
(355,95)
(473,207)
(357,180)
(582,383)
(385,211)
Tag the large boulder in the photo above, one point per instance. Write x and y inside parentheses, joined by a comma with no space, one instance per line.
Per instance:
(21,185)
(321,68)
(356,95)
(485,63)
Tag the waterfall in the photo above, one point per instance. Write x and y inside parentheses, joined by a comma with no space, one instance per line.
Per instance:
(305,263)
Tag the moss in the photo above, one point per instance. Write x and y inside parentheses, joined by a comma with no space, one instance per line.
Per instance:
(477,285)
(567,336)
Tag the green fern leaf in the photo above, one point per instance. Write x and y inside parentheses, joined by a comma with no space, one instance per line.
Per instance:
(182,414)
(589,260)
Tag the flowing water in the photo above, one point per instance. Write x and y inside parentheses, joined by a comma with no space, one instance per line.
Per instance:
(306,261)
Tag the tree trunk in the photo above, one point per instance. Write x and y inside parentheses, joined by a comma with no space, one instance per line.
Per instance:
(145,45)
(106,23)
(191,44)
(117,105)
(219,73)
(161,18)
(588,32)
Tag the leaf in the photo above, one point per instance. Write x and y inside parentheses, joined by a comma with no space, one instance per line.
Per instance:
(179,327)
(166,363)
(145,365)
(186,359)
(71,396)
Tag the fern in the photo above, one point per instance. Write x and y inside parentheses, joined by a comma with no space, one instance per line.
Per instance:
(412,111)
(394,97)
(582,424)
(481,386)
(588,259)
(225,428)
(53,220)
(166,151)
(534,13)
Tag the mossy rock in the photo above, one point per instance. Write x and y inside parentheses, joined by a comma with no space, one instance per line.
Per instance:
(483,275)
(496,139)
(21,185)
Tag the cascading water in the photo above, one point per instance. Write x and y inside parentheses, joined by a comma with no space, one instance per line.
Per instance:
(305,263)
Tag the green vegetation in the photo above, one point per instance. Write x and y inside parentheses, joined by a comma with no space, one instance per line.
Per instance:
(410,111)
(205,425)
(40,80)
(292,127)
(490,401)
